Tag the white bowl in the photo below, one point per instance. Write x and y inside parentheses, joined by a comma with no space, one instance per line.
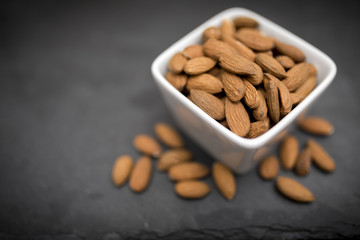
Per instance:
(240,154)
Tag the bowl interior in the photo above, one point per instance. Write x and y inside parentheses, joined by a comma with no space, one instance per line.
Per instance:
(325,66)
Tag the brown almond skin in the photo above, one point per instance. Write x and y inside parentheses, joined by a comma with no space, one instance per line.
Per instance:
(296,98)
(285,99)
(233,86)
(256,78)
(224,179)
(210,104)
(199,65)
(241,22)
(237,117)
(193,51)
(251,97)
(141,174)
(205,82)
(258,128)
(296,76)
(270,65)
(122,169)
(241,48)
(254,40)
(269,168)
(291,51)
(214,48)
(168,135)
(235,63)
(227,28)
(285,61)
(147,145)
(316,126)
(177,63)
(187,171)
(303,162)
(192,189)
(272,98)
(177,80)
(173,157)
(260,113)
(289,151)
(294,190)
(211,32)
(320,157)
(305,89)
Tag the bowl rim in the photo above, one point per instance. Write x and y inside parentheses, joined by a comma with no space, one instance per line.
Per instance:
(285,121)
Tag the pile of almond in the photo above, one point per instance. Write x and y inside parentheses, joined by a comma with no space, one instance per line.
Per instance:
(176,161)
(245,80)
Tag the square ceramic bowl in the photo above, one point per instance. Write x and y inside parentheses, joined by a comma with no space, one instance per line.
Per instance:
(240,154)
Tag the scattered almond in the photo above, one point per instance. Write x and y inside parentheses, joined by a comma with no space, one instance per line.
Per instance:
(188,170)
(289,150)
(168,135)
(147,145)
(269,168)
(224,180)
(192,189)
(316,126)
(173,157)
(320,157)
(122,169)
(294,190)
(303,163)
(141,174)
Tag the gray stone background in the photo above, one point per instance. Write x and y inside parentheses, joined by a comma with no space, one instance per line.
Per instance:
(76,87)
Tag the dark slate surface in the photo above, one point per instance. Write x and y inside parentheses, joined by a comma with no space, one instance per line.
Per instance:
(76,88)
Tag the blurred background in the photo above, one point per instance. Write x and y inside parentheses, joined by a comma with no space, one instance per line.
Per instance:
(76,87)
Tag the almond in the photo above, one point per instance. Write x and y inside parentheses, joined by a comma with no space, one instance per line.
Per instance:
(296,76)
(211,32)
(285,99)
(303,162)
(254,40)
(296,98)
(210,104)
(224,123)
(193,51)
(147,145)
(168,135)
(177,80)
(121,170)
(141,174)
(293,52)
(224,180)
(312,70)
(199,65)
(289,150)
(235,63)
(241,48)
(233,86)
(173,157)
(188,170)
(270,65)
(215,71)
(256,78)
(285,61)
(214,48)
(272,98)
(192,189)
(241,22)
(251,96)
(260,112)
(305,89)
(294,190)
(269,53)
(257,128)
(227,28)
(317,126)
(237,118)
(269,168)
(205,82)
(320,157)
(177,63)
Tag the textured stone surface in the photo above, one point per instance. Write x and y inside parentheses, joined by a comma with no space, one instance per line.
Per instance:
(76,88)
